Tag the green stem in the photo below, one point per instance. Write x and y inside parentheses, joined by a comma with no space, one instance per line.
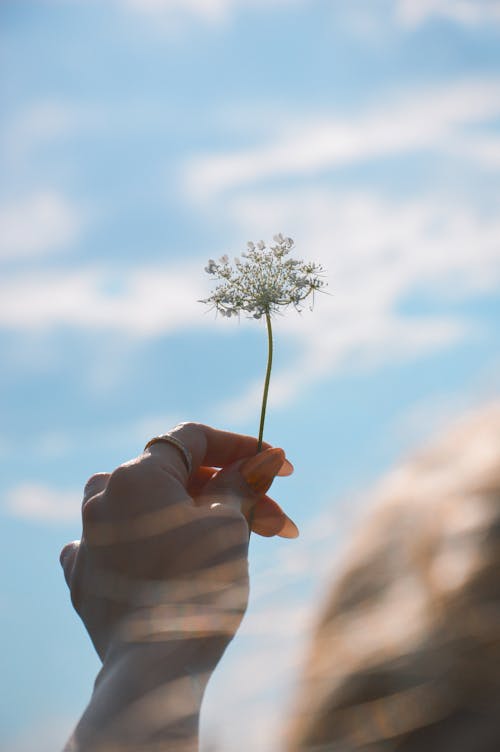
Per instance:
(266,382)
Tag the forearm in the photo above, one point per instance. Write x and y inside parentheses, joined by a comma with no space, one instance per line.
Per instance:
(146,698)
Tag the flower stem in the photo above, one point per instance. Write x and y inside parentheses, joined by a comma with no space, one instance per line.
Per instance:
(267,380)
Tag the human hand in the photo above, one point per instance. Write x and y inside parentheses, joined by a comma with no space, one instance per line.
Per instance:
(163,556)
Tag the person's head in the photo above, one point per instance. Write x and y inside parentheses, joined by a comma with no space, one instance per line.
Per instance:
(406,656)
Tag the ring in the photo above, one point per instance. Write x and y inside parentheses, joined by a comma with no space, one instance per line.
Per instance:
(168,439)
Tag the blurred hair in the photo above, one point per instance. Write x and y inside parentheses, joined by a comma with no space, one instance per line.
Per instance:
(406,656)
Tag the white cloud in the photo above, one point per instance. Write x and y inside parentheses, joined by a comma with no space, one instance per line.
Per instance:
(377,253)
(38,224)
(40,503)
(421,121)
(365,17)
(122,438)
(40,122)
(412,13)
(205,9)
(142,301)
(213,11)
(483,150)
(408,13)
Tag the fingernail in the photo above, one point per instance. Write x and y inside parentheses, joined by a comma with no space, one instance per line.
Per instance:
(289,529)
(286,469)
(260,471)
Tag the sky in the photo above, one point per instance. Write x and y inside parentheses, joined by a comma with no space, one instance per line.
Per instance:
(138,138)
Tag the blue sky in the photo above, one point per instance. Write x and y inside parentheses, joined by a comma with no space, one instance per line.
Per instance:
(138,138)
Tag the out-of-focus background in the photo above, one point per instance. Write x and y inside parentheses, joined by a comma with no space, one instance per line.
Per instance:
(138,138)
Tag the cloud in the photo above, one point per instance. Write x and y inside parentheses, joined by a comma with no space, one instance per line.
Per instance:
(40,503)
(38,224)
(119,437)
(409,14)
(208,10)
(212,11)
(142,301)
(483,150)
(424,120)
(378,253)
(413,13)
(40,122)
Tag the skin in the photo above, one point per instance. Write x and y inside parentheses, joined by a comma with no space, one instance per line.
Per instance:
(160,581)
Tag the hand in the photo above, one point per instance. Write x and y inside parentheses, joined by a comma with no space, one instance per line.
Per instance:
(160,580)
(164,556)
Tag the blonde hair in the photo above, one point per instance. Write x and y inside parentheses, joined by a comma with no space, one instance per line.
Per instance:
(406,655)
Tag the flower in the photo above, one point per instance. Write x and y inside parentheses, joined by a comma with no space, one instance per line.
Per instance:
(211,267)
(264,280)
(260,283)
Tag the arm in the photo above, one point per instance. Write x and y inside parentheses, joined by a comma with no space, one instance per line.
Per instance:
(148,698)
(160,580)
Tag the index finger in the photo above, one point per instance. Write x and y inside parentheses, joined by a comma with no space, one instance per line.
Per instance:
(211,446)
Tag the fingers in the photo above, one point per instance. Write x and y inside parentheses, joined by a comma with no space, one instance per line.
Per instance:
(95,484)
(240,484)
(209,447)
(67,559)
(268,519)
(243,486)
(227,488)
(260,470)
(158,479)
(199,479)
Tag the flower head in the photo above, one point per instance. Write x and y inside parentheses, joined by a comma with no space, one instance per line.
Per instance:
(263,281)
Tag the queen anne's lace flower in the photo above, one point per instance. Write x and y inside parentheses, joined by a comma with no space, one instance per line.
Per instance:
(263,281)
(259,284)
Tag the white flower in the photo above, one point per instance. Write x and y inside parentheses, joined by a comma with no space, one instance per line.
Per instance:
(264,281)
(260,283)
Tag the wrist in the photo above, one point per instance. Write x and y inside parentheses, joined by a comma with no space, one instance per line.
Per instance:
(156,656)
(146,694)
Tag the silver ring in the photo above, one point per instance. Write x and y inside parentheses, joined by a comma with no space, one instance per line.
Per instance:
(168,439)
